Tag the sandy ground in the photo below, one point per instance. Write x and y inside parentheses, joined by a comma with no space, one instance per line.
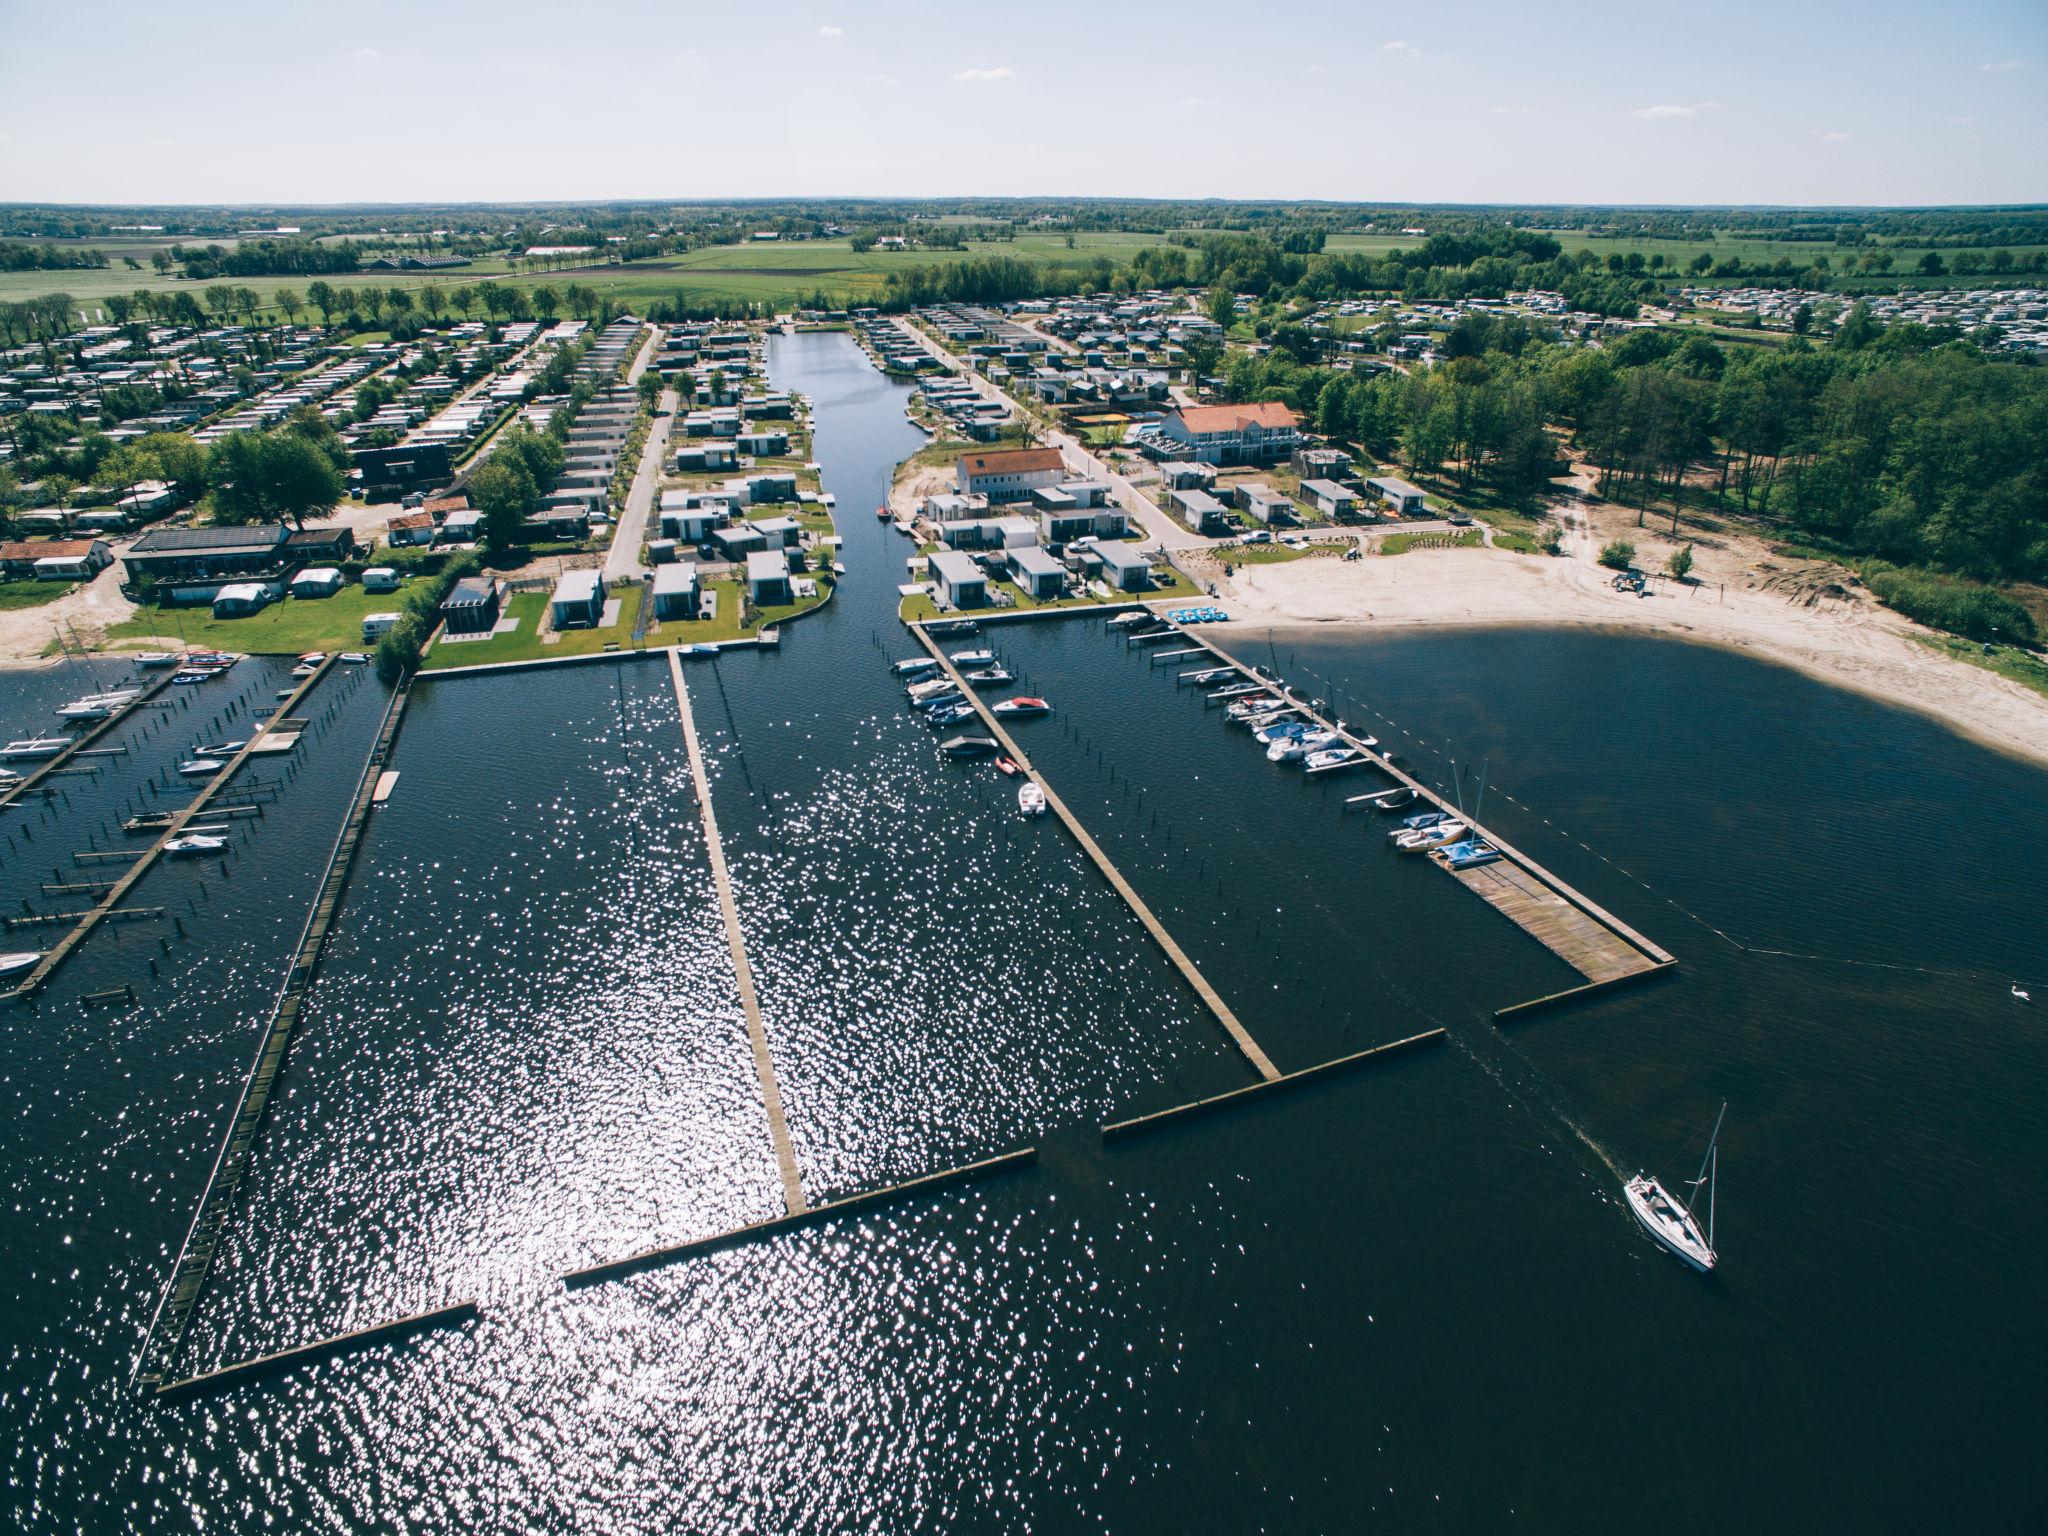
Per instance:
(1803,614)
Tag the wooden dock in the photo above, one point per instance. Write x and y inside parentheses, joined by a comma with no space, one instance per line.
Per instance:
(1118,1129)
(750,1002)
(84,739)
(1570,924)
(774,1226)
(1208,994)
(145,858)
(209,1219)
(265,1366)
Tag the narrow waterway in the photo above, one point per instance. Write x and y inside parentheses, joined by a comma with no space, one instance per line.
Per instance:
(1405,1296)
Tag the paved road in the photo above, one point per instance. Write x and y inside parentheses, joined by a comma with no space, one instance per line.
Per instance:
(1166,531)
(622,560)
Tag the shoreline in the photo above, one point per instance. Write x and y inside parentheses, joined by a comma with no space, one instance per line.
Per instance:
(1849,642)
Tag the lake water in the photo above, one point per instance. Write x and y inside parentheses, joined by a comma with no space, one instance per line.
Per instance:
(1407,1293)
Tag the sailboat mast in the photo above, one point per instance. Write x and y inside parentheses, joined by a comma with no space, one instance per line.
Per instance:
(1713,1184)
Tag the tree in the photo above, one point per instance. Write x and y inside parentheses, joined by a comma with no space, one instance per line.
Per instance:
(288,300)
(461,297)
(1680,563)
(1931,265)
(1222,306)
(299,479)
(1620,555)
(118,308)
(433,300)
(280,475)
(398,301)
(546,302)
(322,297)
(504,492)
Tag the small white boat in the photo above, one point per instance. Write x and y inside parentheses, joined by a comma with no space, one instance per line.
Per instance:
(157,659)
(21,960)
(970,746)
(2020,994)
(1426,838)
(973,658)
(200,767)
(1125,620)
(194,843)
(304,669)
(1023,706)
(1290,749)
(1332,757)
(1669,1219)
(914,666)
(220,749)
(355,658)
(1031,799)
(312,658)
(35,746)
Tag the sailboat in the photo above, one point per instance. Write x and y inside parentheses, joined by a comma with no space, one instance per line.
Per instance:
(1670,1220)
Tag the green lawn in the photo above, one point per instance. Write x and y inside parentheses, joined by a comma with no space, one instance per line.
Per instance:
(31,593)
(1401,543)
(703,631)
(283,629)
(2008,661)
(1273,554)
(525,643)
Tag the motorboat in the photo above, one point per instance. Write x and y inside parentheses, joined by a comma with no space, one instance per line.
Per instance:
(972,658)
(1424,839)
(970,746)
(989,677)
(950,714)
(156,659)
(88,709)
(1126,620)
(194,675)
(312,658)
(698,648)
(305,669)
(194,843)
(20,960)
(1031,799)
(212,658)
(1252,704)
(930,701)
(931,685)
(1279,730)
(220,749)
(1023,707)
(355,658)
(1418,821)
(201,767)
(954,627)
(35,746)
(1292,748)
(1669,1218)
(914,666)
(1398,799)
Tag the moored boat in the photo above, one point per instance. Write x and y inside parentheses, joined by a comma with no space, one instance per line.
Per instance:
(20,960)
(1424,839)
(194,843)
(1023,706)
(972,658)
(35,746)
(989,677)
(970,746)
(200,767)
(157,659)
(914,666)
(1031,799)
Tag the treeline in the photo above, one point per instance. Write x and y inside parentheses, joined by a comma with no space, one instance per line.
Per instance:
(18,257)
(269,258)
(1898,444)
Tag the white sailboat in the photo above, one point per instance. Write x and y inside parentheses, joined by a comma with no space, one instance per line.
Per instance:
(1672,1221)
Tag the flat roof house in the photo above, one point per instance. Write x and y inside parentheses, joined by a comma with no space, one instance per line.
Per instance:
(675,591)
(1123,567)
(1234,434)
(1262,503)
(1008,474)
(768,577)
(471,606)
(780,532)
(1405,499)
(578,600)
(1328,496)
(1199,510)
(1042,577)
(327,546)
(960,581)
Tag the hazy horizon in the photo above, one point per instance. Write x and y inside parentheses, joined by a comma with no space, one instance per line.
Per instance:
(231,103)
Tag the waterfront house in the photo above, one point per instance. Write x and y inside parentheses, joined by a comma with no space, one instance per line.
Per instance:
(737,542)
(1081,523)
(763,444)
(1041,577)
(768,578)
(1404,499)
(472,606)
(780,532)
(329,546)
(1008,474)
(706,458)
(1252,433)
(1123,567)
(1261,503)
(769,488)
(675,591)
(687,521)
(578,600)
(959,580)
(409,529)
(1200,511)
(948,508)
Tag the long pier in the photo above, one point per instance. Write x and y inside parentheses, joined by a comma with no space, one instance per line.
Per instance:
(750,1002)
(85,739)
(1564,920)
(1208,994)
(283,1360)
(145,859)
(195,1256)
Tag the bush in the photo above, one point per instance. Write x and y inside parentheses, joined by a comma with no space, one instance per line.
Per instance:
(1680,563)
(1962,607)
(1620,555)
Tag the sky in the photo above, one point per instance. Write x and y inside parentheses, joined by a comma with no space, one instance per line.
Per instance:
(280,102)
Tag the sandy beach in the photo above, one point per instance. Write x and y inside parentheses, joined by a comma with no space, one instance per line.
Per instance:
(1801,613)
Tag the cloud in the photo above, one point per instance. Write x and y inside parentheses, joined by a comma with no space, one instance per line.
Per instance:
(1836,136)
(1408,48)
(1665,112)
(831,31)
(2004,66)
(1000,72)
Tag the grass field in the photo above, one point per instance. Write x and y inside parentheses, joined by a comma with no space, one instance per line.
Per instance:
(283,629)
(525,642)
(30,593)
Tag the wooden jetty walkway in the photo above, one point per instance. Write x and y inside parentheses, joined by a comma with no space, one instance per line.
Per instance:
(145,858)
(1567,922)
(85,739)
(276,1364)
(750,1002)
(1208,994)
(230,1166)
